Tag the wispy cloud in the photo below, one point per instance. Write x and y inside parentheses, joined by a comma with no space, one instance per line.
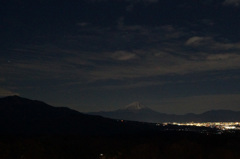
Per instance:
(2,79)
(209,43)
(123,55)
(4,92)
(232,2)
(197,40)
(129,52)
(168,64)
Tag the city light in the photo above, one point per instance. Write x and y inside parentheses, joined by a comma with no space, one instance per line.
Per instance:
(218,125)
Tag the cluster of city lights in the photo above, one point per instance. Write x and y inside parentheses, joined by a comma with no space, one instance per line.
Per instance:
(218,125)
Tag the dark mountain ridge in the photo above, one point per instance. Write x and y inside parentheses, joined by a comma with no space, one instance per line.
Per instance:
(24,116)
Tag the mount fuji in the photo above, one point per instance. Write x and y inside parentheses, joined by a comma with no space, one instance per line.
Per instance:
(134,111)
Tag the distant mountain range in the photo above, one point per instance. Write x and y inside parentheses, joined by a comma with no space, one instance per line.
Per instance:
(138,112)
(24,116)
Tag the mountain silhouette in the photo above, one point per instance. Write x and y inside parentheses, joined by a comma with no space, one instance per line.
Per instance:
(24,116)
(138,112)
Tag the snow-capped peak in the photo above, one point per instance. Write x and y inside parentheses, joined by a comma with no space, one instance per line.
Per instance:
(135,106)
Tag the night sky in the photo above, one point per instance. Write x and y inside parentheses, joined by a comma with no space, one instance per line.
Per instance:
(174,56)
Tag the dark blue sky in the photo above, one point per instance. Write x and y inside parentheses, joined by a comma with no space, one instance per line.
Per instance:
(173,56)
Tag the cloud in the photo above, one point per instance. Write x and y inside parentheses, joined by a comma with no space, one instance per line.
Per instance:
(82,24)
(2,80)
(81,67)
(163,63)
(197,40)
(217,57)
(4,92)
(123,55)
(225,46)
(101,54)
(211,44)
(232,2)
(128,84)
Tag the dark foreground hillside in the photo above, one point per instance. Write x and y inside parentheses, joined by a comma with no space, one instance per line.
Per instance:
(32,129)
(166,145)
